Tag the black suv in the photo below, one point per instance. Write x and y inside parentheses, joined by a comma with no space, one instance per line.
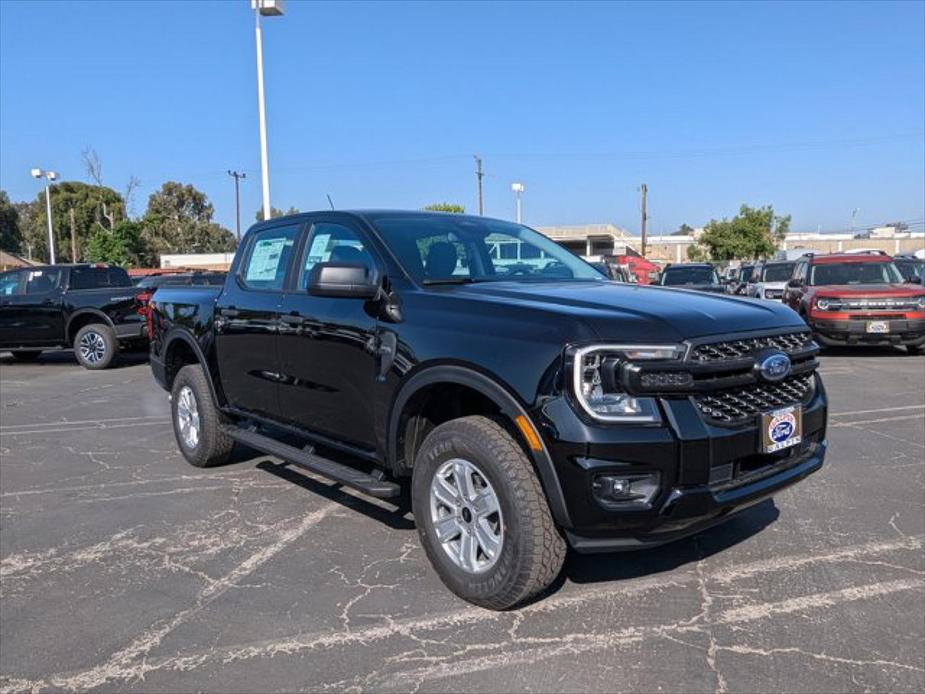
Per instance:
(697,276)
(532,403)
(91,307)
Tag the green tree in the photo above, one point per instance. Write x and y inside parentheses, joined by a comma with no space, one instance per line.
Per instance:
(755,232)
(10,235)
(683,230)
(275,212)
(446,207)
(95,207)
(122,246)
(179,220)
(696,254)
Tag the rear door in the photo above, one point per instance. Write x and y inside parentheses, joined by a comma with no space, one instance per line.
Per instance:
(247,321)
(36,312)
(9,287)
(327,346)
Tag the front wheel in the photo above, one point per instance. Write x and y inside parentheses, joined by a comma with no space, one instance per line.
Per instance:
(482,515)
(95,346)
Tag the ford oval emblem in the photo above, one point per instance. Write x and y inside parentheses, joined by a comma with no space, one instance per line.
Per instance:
(774,367)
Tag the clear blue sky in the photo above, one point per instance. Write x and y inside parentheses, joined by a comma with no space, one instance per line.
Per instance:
(814,108)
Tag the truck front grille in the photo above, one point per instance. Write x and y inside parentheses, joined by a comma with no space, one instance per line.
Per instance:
(736,349)
(738,404)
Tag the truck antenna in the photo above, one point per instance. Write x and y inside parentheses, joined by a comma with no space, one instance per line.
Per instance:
(330,202)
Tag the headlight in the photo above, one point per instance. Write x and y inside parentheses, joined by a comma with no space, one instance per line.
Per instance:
(920,302)
(824,304)
(596,387)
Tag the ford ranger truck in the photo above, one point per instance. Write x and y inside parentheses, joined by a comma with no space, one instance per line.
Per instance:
(92,308)
(525,402)
(852,300)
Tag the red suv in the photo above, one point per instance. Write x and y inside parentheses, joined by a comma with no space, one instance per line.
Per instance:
(858,299)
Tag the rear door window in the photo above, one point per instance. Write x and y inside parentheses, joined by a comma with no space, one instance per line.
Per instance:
(268,258)
(41,281)
(98,277)
(9,283)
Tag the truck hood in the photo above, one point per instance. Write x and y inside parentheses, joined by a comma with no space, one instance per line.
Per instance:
(636,312)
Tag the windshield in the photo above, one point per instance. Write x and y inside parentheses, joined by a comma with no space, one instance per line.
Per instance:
(448,249)
(746,273)
(777,273)
(855,273)
(689,275)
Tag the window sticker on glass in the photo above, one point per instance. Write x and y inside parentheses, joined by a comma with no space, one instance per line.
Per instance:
(265,259)
(318,253)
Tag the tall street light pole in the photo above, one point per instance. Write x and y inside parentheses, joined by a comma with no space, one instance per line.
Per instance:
(518,188)
(48,176)
(267,8)
(237,201)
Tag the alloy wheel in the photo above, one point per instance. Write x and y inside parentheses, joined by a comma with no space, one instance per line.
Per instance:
(466,515)
(188,417)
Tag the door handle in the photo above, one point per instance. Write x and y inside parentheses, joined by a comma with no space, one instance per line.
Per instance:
(229,312)
(291,319)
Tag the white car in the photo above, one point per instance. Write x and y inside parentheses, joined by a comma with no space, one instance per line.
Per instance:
(769,280)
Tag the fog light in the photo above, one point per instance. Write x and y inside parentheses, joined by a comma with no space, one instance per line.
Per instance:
(629,489)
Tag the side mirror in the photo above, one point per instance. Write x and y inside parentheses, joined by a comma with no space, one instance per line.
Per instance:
(343,280)
(795,283)
(915,279)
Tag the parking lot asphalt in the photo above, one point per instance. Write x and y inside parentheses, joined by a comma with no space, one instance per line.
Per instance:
(122,568)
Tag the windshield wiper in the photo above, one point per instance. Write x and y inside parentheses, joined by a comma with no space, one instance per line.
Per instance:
(452,280)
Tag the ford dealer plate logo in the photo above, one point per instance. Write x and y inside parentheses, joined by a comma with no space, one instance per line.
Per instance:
(774,367)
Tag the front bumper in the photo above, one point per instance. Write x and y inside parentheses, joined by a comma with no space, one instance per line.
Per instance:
(853,331)
(708,471)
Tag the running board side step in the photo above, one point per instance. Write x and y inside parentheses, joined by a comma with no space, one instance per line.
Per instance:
(337,472)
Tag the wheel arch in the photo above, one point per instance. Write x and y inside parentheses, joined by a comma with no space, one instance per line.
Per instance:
(494,392)
(84,317)
(180,350)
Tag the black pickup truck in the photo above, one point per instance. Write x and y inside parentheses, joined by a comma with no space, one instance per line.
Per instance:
(90,307)
(532,403)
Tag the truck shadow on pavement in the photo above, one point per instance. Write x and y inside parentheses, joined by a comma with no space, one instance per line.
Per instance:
(65,358)
(617,566)
(579,568)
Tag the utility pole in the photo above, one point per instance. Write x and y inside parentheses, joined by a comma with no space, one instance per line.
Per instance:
(479,175)
(73,236)
(237,200)
(644,189)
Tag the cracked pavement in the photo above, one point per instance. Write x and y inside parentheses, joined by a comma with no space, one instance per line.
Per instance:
(122,568)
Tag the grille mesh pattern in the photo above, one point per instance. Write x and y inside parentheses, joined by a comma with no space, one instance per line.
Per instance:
(736,349)
(737,404)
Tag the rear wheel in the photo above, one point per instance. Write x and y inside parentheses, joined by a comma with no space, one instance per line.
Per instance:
(482,515)
(95,346)
(26,356)
(197,423)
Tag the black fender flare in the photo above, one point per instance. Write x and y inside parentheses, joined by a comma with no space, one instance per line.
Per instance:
(80,313)
(172,337)
(506,402)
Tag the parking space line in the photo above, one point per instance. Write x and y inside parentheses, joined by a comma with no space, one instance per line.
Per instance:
(165,420)
(74,423)
(878,421)
(881,409)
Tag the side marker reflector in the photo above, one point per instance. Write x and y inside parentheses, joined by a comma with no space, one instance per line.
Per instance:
(533,439)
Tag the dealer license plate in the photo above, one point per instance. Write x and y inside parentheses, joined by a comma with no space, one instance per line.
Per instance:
(781,429)
(878,326)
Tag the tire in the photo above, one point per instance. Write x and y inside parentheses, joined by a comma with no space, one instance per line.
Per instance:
(27,356)
(531,550)
(95,346)
(192,408)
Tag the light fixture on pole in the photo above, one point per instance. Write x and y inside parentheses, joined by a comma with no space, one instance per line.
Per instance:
(237,201)
(48,176)
(267,8)
(518,188)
